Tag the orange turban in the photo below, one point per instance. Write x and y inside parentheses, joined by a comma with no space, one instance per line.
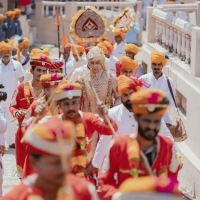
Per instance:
(119,33)
(104,49)
(43,51)
(17,11)
(4,46)
(128,63)
(132,48)
(108,45)
(170,2)
(149,101)
(22,42)
(51,80)
(68,90)
(10,14)
(158,57)
(1,17)
(43,138)
(125,84)
(78,48)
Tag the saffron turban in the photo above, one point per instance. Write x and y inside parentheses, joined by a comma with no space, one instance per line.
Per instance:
(43,138)
(51,80)
(43,51)
(108,45)
(1,17)
(17,11)
(125,84)
(149,101)
(119,33)
(78,48)
(21,43)
(132,48)
(158,57)
(95,54)
(5,47)
(68,90)
(104,49)
(10,14)
(170,2)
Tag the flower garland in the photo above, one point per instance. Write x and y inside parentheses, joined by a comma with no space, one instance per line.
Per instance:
(27,92)
(133,151)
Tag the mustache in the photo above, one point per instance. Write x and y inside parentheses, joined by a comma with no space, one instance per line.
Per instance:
(156,69)
(71,111)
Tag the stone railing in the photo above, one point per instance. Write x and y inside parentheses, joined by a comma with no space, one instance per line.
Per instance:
(46,11)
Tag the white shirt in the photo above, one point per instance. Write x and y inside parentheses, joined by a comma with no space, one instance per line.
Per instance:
(126,125)
(9,76)
(27,77)
(3,127)
(72,63)
(118,51)
(161,84)
(77,72)
(111,64)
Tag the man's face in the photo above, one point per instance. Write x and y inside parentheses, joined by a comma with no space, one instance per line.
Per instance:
(53,71)
(127,73)
(157,68)
(130,54)
(38,71)
(70,107)
(148,126)
(108,55)
(118,39)
(49,169)
(125,98)
(95,66)
(66,55)
(17,16)
(5,55)
(49,91)
(76,56)
(25,50)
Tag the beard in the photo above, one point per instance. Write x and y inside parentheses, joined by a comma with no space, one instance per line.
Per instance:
(127,104)
(145,133)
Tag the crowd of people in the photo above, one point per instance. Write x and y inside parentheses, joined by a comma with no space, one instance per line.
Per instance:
(88,125)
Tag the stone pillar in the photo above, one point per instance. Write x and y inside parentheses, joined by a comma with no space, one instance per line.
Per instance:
(151,26)
(70,10)
(198,14)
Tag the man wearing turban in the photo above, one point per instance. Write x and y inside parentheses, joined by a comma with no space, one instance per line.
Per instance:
(143,152)
(158,80)
(2,33)
(118,50)
(9,27)
(17,12)
(11,72)
(102,80)
(123,116)
(78,53)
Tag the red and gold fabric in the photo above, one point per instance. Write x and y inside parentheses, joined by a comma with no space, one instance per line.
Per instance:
(5,47)
(131,48)
(21,100)
(10,13)
(21,43)
(51,80)
(28,190)
(122,160)
(88,25)
(124,21)
(126,63)
(158,57)
(150,101)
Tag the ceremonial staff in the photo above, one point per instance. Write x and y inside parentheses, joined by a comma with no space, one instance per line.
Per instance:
(58,28)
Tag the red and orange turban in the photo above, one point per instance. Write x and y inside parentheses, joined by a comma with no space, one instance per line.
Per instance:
(10,14)
(119,33)
(149,101)
(132,48)
(158,57)
(68,90)
(51,80)
(5,47)
(77,49)
(103,48)
(43,138)
(21,43)
(125,84)
(108,45)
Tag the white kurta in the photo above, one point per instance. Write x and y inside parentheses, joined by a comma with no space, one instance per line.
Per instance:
(118,50)
(126,125)
(161,84)
(111,64)
(77,72)
(72,63)
(9,76)
(27,77)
